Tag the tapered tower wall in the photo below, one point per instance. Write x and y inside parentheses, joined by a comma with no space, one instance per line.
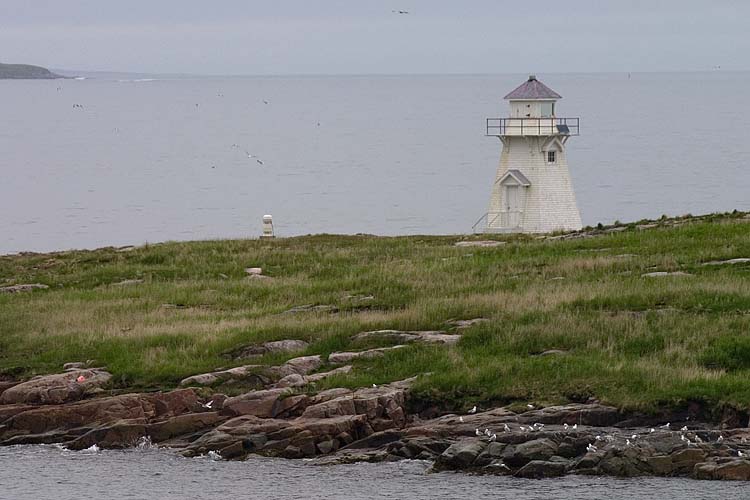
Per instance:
(548,203)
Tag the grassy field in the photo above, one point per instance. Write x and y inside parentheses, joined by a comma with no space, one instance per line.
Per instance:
(628,340)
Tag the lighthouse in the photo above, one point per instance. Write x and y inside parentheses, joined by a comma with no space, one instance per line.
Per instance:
(532,192)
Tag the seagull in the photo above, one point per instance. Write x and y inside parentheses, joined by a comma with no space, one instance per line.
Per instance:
(373,385)
(591,447)
(473,410)
(208,405)
(522,428)
(529,406)
(598,437)
(493,437)
(740,454)
(487,432)
(506,428)
(665,426)
(698,439)
(627,442)
(565,426)
(684,428)
(575,426)
(720,439)
(682,437)
(634,437)
(652,430)
(477,432)
(461,419)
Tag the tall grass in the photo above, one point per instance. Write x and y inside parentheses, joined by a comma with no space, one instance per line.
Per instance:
(621,338)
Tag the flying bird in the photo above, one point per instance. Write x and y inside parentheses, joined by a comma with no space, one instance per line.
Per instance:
(260,162)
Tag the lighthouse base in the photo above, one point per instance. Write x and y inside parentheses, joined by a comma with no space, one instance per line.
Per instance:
(532,192)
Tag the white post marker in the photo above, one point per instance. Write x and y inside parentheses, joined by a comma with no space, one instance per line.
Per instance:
(532,192)
(267,226)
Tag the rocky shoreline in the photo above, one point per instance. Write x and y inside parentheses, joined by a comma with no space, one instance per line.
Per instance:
(284,417)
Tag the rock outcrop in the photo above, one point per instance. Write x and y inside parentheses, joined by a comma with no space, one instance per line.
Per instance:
(276,346)
(343,425)
(28,287)
(405,337)
(56,389)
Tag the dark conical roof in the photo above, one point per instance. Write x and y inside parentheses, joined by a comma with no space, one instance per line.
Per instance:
(532,89)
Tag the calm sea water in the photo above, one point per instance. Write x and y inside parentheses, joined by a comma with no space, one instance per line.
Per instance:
(49,473)
(153,160)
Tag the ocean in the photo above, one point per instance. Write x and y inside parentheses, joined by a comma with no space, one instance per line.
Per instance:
(52,473)
(113,160)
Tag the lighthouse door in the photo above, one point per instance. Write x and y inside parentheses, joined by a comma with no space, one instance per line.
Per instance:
(512,205)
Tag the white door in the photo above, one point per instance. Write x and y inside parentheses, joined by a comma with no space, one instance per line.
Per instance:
(512,205)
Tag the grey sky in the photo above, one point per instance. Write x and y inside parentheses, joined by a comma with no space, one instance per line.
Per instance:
(360,36)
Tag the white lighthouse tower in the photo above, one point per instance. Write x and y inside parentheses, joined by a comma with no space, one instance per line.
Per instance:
(532,192)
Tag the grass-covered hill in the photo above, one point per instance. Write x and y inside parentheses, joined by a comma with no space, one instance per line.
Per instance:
(616,335)
(25,71)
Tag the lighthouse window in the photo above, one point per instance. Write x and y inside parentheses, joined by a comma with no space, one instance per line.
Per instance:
(550,156)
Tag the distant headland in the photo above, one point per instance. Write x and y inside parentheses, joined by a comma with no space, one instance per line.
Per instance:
(26,71)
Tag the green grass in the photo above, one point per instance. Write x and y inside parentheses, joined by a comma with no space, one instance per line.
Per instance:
(635,342)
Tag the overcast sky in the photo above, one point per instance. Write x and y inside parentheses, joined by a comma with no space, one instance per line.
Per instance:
(365,36)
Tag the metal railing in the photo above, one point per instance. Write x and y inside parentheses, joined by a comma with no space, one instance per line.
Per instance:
(498,127)
(504,220)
